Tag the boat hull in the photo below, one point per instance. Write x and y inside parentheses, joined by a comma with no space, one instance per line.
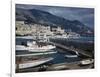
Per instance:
(34,63)
(71,56)
(33,49)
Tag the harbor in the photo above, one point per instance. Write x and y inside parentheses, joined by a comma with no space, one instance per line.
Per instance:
(47,42)
(63,58)
(53,50)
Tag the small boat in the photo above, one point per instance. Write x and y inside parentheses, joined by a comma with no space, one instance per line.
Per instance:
(86,62)
(32,63)
(20,47)
(71,56)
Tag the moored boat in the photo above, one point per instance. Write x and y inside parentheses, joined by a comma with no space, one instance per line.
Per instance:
(34,47)
(32,63)
(71,56)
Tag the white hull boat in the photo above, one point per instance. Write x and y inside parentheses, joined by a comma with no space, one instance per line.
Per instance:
(35,49)
(75,55)
(71,56)
(86,62)
(35,54)
(20,47)
(28,64)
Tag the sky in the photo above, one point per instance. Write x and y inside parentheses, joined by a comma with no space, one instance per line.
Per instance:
(84,15)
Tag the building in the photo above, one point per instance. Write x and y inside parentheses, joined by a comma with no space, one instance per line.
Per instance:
(25,29)
(22,28)
(57,30)
(19,22)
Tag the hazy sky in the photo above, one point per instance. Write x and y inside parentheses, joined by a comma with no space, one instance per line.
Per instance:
(85,15)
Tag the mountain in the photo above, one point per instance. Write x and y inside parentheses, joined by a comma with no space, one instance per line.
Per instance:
(46,18)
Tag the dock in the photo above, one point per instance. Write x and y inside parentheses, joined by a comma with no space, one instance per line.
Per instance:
(56,67)
(67,66)
(86,53)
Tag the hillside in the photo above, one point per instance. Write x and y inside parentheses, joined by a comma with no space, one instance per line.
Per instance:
(41,17)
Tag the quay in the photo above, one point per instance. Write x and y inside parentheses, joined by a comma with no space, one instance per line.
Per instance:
(67,66)
(86,53)
(56,67)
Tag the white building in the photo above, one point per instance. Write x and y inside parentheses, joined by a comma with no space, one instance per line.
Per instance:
(58,30)
(19,22)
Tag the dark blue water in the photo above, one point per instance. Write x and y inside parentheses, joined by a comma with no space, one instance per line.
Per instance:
(60,58)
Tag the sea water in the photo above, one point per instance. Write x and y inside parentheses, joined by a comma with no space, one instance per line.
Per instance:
(58,57)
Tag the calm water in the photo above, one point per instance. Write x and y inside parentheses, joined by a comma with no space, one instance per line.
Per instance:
(58,57)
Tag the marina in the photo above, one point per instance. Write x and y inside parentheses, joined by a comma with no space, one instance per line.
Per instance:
(60,66)
(49,42)
(63,58)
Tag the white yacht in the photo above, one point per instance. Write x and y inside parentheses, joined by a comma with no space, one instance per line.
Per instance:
(34,47)
(32,63)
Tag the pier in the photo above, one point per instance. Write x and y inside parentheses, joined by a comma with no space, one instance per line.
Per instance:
(67,66)
(86,53)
